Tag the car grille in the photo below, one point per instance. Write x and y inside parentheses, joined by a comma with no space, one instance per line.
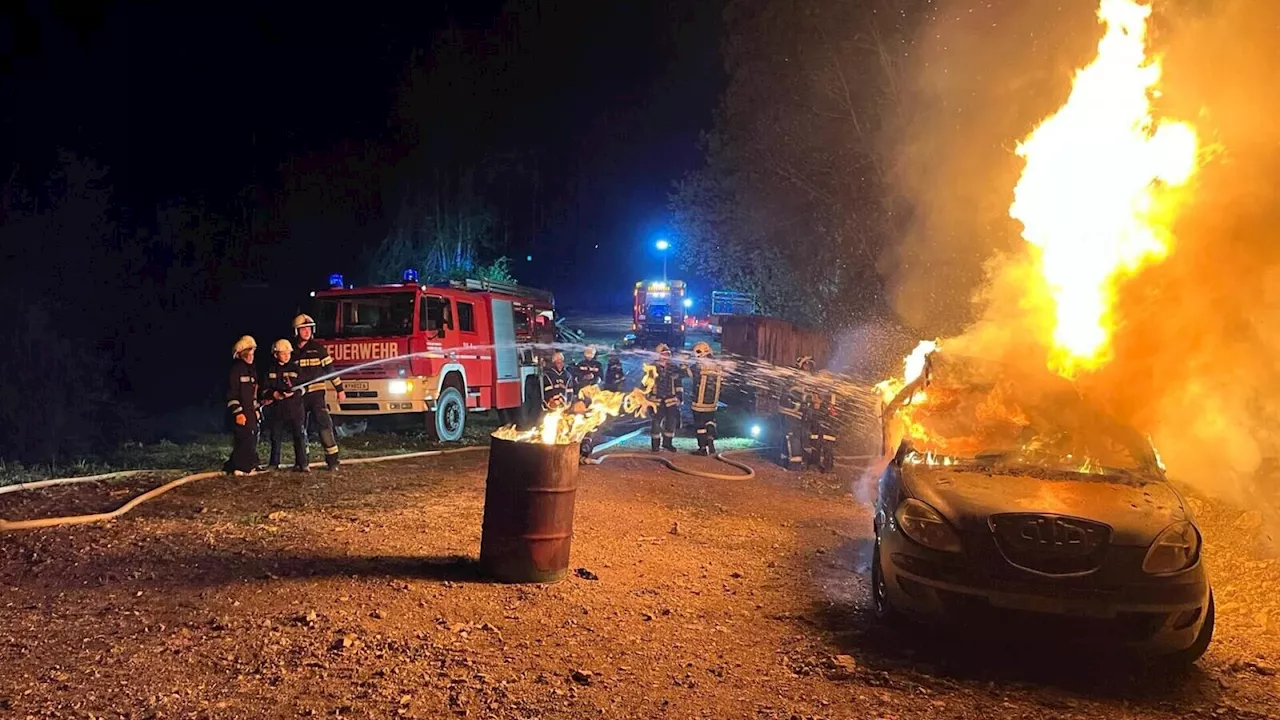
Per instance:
(1051,544)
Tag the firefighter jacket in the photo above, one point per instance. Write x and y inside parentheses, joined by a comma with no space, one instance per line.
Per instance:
(556,384)
(668,388)
(614,375)
(589,372)
(795,402)
(282,378)
(706,387)
(242,391)
(314,361)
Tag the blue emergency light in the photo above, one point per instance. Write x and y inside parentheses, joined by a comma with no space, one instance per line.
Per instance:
(335,280)
(688,302)
(411,276)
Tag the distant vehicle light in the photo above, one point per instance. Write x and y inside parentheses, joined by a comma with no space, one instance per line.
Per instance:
(667,319)
(658,285)
(755,431)
(688,302)
(313,293)
(528,258)
(335,280)
(411,276)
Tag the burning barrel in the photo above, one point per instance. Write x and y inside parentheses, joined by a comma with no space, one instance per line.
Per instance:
(528,510)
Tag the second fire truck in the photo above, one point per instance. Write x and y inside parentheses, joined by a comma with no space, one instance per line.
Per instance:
(440,351)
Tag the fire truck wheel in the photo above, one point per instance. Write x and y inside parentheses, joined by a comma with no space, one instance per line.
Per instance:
(450,417)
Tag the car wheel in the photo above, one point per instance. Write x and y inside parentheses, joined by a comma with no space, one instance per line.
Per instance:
(879,590)
(450,417)
(1184,659)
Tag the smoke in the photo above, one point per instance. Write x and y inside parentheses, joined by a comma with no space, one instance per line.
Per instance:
(1195,359)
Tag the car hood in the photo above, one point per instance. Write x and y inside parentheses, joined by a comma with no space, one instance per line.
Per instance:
(1136,510)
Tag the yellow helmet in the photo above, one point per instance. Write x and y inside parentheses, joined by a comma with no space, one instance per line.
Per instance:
(303,320)
(246,342)
(662,349)
(282,345)
(702,349)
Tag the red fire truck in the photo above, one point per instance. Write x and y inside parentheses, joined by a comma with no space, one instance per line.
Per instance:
(438,350)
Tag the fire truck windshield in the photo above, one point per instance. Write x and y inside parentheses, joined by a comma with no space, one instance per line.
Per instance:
(373,315)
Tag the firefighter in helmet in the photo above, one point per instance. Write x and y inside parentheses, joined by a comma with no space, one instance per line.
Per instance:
(314,363)
(614,375)
(557,384)
(589,371)
(668,396)
(242,406)
(706,397)
(793,414)
(822,429)
(282,406)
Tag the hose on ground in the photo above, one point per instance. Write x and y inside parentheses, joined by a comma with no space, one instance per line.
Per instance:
(747,469)
(11,525)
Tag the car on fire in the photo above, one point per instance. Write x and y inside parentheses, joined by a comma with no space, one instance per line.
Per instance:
(1007,497)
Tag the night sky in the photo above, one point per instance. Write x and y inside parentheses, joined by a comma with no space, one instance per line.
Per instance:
(182,99)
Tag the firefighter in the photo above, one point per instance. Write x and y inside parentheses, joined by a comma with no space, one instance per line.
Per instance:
(668,395)
(242,406)
(557,384)
(823,431)
(314,363)
(706,397)
(589,370)
(614,375)
(793,414)
(282,405)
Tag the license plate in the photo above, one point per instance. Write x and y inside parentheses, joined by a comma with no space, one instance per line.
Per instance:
(355,386)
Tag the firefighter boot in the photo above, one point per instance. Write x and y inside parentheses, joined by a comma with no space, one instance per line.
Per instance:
(668,444)
(655,444)
(702,444)
(711,446)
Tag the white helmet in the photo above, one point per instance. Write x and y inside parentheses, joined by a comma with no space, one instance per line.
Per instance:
(589,353)
(282,345)
(702,350)
(303,320)
(557,357)
(242,345)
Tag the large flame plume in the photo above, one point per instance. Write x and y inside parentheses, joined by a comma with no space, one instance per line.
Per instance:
(1100,188)
(572,423)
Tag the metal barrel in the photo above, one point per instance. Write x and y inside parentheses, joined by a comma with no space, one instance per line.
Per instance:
(528,511)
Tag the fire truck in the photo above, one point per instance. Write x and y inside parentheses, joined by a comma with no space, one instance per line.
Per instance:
(440,351)
(657,313)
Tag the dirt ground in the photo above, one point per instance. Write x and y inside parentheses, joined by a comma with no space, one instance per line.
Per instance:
(356,595)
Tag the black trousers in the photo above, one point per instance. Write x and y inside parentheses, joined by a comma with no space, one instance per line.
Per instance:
(287,422)
(704,423)
(244,447)
(313,405)
(795,438)
(665,420)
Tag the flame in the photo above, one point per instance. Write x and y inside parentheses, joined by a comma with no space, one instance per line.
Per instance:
(1099,191)
(913,368)
(572,423)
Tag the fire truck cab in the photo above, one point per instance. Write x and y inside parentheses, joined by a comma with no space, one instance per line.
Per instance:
(438,350)
(657,313)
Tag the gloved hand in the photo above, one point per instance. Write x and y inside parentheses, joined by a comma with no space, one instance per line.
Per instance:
(277,395)
(342,396)
(241,420)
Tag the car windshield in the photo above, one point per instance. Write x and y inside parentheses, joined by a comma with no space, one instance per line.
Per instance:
(985,414)
(658,312)
(352,316)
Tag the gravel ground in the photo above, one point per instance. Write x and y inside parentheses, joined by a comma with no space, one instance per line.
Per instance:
(355,595)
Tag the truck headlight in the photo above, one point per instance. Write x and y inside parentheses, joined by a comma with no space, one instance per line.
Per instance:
(399,387)
(926,526)
(1176,548)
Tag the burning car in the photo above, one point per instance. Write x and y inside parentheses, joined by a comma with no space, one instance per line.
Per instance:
(1006,496)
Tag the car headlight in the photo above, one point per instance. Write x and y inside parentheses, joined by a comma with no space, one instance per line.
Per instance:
(399,387)
(1177,547)
(926,526)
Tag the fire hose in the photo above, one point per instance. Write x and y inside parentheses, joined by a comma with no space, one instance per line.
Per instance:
(12,525)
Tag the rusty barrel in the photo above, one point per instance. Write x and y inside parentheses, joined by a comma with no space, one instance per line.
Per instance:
(528,511)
